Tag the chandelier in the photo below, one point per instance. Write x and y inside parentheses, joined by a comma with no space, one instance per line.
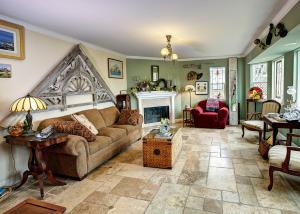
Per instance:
(167,51)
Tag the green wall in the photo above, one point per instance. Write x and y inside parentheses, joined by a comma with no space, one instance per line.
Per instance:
(141,69)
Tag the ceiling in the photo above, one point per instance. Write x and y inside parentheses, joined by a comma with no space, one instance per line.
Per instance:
(283,45)
(200,28)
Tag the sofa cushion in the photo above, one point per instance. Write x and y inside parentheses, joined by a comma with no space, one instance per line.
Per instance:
(129,117)
(113,133)
(277,155)
(100,143)
(128,128)
(94,116)
(110,115)
(80,118)
(75,128)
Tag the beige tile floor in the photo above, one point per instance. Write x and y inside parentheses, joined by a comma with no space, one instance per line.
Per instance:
(217,171)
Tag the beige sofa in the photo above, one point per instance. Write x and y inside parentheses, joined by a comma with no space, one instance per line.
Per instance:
(77,157)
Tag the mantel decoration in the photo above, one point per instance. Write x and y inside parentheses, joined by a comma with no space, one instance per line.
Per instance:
(146,85)
(167,52)
(11,40)
(280,30)
(74,75)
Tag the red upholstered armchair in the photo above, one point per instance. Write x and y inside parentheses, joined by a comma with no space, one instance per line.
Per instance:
(205,119)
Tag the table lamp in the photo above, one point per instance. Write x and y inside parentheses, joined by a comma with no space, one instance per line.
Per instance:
(190,88)
(28,104)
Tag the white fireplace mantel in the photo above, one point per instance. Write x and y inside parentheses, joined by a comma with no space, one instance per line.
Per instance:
(155,96)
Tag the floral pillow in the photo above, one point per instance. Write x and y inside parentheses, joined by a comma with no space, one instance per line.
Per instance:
(128,117)
(85,122)
(75,128)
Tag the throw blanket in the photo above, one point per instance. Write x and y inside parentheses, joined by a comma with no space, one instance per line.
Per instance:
(212,104)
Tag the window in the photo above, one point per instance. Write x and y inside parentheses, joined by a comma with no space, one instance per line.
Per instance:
(278,79)
(259,78)
(217,83)
(298,79)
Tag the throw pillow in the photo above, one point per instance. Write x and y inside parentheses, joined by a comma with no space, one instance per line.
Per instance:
(129,117)
(85,122)
(212,105)
(75,128)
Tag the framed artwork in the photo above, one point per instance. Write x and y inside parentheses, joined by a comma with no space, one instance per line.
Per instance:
(154,73)
(5,71)
(201,87)
(11,40)
(115,68)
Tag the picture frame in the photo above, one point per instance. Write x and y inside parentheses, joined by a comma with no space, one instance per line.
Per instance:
(201,87)
(5,70)
(154,73)
(115,68)
(11,41)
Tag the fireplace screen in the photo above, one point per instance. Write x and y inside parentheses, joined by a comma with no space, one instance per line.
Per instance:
(154,114)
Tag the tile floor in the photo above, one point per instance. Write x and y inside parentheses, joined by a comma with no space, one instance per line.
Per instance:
(217,171)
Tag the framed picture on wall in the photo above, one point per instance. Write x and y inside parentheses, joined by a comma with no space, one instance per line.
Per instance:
(115,68)
(11,40)
(154,73)
(201,87)
(5,71)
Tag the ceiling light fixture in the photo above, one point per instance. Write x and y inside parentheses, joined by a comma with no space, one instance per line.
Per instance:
(167,51)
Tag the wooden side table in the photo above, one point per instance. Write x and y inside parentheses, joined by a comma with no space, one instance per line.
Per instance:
(248,115)
(37,167)
(187,117)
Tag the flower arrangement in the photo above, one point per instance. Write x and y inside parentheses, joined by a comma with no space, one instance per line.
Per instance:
(255,93)
(165,126)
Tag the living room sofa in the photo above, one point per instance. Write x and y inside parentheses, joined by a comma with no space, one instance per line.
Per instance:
(208,119)
(77,157)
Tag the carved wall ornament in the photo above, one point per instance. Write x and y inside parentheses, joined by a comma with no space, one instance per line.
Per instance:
(74,75)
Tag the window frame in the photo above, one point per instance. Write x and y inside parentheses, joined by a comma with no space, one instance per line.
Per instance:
(210,82)
(274,79)
(297,74)
(252,83)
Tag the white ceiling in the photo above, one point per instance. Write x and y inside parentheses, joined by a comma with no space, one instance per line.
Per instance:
(200,28)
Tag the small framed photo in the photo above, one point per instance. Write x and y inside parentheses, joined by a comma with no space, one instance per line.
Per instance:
(11,40)
(115,68)
(5,71)
(201,87)
(154,73)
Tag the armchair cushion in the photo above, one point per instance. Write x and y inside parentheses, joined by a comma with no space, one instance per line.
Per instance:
(254,124)
(277,156)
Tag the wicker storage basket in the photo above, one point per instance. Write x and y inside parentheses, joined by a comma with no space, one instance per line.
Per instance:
(161,152)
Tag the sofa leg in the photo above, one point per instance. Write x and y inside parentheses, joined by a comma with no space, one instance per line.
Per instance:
(271,172)
(243,130)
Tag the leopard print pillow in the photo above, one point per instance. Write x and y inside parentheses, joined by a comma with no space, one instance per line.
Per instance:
(128,117)
(75,128)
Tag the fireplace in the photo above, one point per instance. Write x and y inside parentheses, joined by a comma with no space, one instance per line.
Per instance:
(155,99)
(154,114)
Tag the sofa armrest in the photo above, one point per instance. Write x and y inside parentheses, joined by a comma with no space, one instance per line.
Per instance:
(74,146)
(197,110)
(223,113)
